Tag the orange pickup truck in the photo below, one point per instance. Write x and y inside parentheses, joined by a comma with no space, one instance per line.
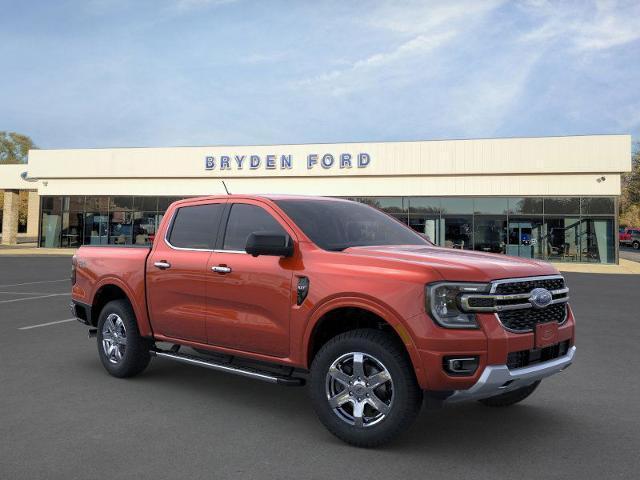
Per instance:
(335,293)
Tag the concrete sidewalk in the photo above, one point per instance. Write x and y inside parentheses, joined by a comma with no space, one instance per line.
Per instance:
(626,267)
(29,251)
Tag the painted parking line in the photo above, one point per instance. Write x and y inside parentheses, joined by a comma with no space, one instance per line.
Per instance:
(34,283)
(26,293)
(35,298)
(47,324)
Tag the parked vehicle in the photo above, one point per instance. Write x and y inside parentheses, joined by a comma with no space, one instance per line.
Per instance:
(336,293)
(630,237)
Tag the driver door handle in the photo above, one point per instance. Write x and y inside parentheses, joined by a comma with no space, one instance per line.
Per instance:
(221,269)
(162,265)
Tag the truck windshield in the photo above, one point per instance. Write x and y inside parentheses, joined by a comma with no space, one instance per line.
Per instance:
(336,225)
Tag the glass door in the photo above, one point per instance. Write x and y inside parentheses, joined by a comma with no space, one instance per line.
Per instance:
(597,243)
(525,238)
(96,228)
(563,239)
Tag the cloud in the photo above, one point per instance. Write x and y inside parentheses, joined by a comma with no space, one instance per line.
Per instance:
(361,73)
(419,17)
(419,30)
(480,105)
(161,72)
(606,25)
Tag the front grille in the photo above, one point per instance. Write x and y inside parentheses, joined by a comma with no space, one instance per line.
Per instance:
(526,286)
(524,358)
(527,319)
(515,304)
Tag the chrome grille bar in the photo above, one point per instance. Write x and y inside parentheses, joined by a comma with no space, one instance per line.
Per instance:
(467,297)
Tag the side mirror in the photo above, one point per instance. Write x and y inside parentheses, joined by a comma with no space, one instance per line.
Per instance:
(269,243)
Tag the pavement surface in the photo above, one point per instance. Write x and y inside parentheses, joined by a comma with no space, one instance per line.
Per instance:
(63,417)
(629,253)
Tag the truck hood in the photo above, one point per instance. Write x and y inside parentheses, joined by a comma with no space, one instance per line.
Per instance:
(460,265)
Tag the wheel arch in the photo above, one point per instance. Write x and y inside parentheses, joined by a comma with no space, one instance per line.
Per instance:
(329,321)
(110,289)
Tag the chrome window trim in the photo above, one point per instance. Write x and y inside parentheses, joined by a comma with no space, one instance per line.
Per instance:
(220,250)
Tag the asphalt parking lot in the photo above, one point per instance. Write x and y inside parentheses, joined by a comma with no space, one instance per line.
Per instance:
(630,253)
(62,416)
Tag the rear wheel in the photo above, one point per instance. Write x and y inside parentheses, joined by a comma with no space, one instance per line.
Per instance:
(123,352)
(510,398)
(636,245)
(363,388)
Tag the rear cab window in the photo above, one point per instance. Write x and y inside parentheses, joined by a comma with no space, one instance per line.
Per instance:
(196,227)
(245,219)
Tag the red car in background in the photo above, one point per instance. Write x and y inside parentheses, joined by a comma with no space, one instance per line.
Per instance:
(629,237)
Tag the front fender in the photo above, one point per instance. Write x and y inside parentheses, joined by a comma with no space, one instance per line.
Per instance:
(366,303)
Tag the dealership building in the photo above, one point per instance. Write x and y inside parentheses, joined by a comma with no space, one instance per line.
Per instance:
(552,198)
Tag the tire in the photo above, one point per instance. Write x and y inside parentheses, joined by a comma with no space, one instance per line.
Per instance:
(636,245)
(354,419)
(510,398)
(123,352)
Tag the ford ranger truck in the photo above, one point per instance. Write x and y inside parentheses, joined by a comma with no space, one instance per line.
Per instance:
(336,293)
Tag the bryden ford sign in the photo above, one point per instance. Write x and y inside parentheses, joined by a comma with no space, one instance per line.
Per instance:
(286,162)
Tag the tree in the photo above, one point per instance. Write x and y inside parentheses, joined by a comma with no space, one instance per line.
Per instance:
(14,147)
(630,198)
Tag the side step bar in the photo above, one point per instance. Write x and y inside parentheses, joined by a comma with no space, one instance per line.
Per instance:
(228,368)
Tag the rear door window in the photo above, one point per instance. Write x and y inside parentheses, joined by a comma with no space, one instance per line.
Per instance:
(196,227)
(245,219)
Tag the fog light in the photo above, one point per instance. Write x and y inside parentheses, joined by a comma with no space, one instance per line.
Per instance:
(460,365)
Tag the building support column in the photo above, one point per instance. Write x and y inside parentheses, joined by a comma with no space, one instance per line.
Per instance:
(33,214)
(10,217)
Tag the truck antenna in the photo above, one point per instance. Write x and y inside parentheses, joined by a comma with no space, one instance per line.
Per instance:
(225,187)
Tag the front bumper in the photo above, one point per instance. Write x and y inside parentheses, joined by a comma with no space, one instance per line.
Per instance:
(497,379)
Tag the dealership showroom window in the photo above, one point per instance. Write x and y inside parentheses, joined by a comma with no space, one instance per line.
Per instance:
(566,229)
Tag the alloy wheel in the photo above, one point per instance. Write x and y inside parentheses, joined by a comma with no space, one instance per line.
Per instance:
(359,389)
(114,338)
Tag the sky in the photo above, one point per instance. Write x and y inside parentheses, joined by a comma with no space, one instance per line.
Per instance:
(114,73)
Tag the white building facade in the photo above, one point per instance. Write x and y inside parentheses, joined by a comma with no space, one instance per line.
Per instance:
(552,198)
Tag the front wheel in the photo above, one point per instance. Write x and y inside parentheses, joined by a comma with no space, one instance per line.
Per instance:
(123,352)
(363,388)
(636,245)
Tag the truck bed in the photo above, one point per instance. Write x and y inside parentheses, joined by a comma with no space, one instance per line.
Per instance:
(123,266)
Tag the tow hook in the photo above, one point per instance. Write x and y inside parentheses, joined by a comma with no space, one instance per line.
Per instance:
(93,333)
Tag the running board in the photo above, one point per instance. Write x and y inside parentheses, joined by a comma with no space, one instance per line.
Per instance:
(228,368)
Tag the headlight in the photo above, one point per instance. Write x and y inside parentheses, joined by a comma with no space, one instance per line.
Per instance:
(444,306)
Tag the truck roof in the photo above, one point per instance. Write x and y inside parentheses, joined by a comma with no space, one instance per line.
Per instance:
(267,196)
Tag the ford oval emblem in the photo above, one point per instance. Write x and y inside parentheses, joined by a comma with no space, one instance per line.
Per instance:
(540,297)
